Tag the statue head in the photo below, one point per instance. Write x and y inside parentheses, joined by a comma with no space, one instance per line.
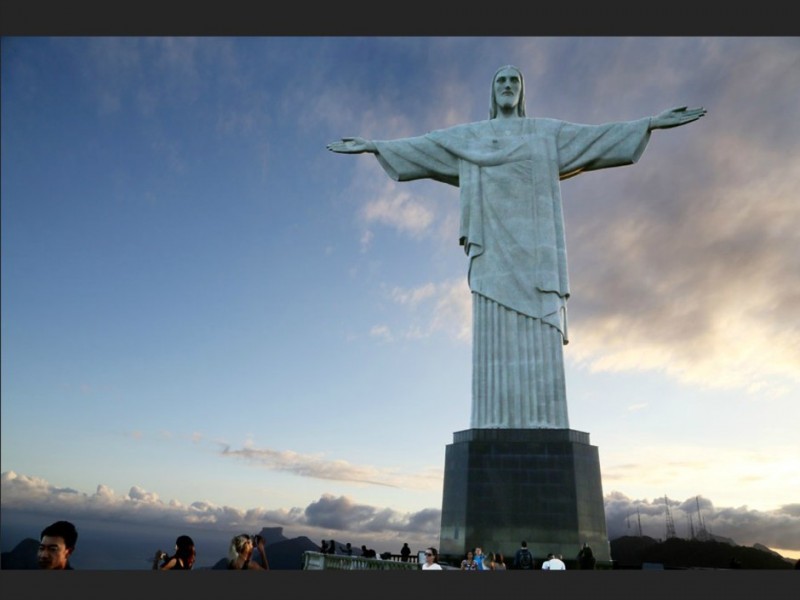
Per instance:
(505,76)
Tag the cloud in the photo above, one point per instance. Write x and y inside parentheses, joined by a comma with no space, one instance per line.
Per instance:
(342,517)
(443,307)
(317,467)
(137,73)
(382,332)
(683,468)
(330,516)
(398,209)
(366,240)
(710,295)
(137,493)
(343,514)
(689,261)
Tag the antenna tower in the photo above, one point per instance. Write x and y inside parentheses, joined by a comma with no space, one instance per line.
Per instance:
(703,533)
(670,522)
(639,519)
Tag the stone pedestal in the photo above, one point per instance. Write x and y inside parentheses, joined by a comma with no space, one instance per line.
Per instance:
(502,486)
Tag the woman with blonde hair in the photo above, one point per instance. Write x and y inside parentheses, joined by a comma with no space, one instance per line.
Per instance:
(240,553)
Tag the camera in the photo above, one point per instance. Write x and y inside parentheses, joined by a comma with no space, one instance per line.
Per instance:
(255,538)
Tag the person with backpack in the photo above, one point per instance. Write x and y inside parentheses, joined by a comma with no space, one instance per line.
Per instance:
(523,559)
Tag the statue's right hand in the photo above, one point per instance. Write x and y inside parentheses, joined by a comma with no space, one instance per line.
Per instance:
(351,145)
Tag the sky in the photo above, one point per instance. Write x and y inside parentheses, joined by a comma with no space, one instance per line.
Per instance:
(210,320)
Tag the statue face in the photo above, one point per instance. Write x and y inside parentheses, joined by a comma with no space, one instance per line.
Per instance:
(507,88)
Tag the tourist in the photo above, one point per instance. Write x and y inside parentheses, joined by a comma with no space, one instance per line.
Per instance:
(431,560)
(469,564)
(586,559)
(182,560)
(553,563)
(405,552)
(479,556)
(523,559)
(240,553)
(56,545)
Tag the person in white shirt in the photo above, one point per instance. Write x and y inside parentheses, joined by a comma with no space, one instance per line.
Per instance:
(431,558)
(553,563)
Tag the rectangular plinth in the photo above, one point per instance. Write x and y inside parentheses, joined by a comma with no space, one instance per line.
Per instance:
(502,486)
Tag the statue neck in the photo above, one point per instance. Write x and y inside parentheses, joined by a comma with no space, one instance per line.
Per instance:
(507,113)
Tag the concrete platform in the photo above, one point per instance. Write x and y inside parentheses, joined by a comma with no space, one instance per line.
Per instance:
(502,486)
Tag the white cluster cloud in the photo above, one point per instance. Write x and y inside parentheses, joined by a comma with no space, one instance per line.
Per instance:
(444,307)
(329,516)
(689,261)
(400,210)
(342,517)
(706,291)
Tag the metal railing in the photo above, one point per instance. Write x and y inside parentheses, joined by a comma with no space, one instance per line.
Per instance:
(316,561)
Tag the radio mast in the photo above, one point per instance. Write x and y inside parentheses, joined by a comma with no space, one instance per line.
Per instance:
(702,533)
(670,522)
(639,518)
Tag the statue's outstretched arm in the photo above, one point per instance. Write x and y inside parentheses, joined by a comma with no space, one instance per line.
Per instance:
(352,145)
(675,117)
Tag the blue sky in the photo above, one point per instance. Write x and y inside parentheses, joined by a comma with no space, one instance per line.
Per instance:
(208,318)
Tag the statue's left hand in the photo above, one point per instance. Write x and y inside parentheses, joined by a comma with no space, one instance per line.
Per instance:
(675,117)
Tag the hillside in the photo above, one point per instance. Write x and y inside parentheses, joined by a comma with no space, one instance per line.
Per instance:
(631,552)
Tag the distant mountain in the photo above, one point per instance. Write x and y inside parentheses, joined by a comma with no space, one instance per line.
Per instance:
(763,548)
(705,536)
(272,535)
(288,554)
(22,556)
(629,552)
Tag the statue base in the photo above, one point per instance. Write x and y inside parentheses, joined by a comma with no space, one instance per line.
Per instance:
(502,486)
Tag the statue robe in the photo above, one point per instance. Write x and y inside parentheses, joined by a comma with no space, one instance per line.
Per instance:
(512,230)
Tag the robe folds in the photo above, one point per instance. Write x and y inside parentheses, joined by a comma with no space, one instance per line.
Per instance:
(512,230)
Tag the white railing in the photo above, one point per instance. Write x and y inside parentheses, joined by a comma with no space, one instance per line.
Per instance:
(316,561)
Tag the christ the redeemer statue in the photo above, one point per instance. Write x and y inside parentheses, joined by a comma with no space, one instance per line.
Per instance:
(508,170)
